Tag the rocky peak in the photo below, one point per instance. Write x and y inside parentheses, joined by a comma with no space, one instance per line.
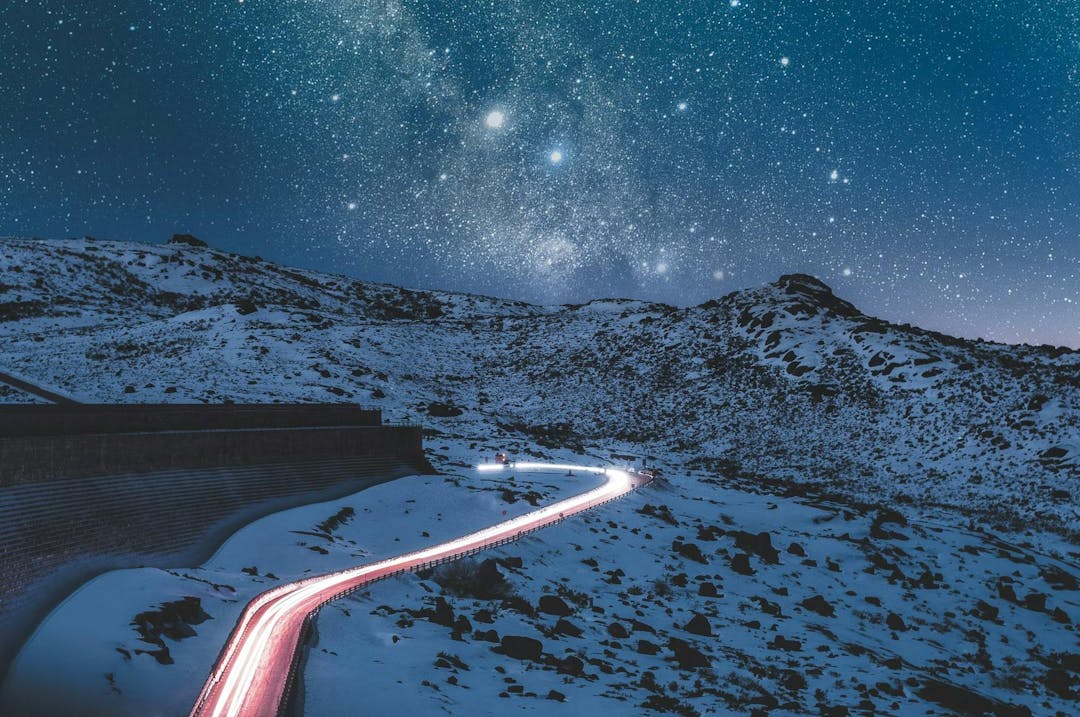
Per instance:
(815,294)
(188,239)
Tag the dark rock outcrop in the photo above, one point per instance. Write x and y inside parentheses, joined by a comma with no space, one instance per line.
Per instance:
(699,625)
(819,605)
(759,544)
(687,656)
(617,631)
(740,563)
(565,627)
(554,605)
(188,239)
(521,648)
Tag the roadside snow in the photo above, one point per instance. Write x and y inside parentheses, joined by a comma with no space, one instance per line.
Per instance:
(90,639)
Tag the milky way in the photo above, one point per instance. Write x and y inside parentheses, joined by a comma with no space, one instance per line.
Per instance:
(923,160)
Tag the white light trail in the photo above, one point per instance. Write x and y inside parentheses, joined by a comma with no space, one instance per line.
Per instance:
(279,613)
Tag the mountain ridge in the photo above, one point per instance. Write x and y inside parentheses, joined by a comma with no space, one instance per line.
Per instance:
(853,517)
(786,381)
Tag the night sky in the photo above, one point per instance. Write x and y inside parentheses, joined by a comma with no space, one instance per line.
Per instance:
(921,158)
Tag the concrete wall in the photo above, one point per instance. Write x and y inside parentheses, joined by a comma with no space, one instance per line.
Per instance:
(57,534)
(71,418)
(41,458)
(73,505)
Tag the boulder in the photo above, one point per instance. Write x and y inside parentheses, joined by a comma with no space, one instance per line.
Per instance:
(819,605)
(690,551)
(443,614)
(1035,601)
(740,563)
(687,656)
(519,604)
(699,625)
(521,648)
(647,648)
(617,631)
(565,627)
(570,665)
(554,605)
(782,643)
(760,545)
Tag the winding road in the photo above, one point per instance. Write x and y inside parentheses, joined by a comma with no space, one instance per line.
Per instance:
(254,670)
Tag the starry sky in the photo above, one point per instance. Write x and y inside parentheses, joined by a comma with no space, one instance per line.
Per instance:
(921,158)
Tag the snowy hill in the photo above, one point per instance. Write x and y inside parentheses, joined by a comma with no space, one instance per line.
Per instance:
(786,382)
(857,517)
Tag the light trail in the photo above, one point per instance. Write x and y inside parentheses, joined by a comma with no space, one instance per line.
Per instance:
(254,668)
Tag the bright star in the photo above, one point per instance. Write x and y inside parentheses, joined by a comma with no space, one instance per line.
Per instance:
(494,119)
(784,61)
(556,156)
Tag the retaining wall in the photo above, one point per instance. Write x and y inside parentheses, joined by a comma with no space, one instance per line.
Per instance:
(81,418)
(57,534)
(40,458)
(144,489)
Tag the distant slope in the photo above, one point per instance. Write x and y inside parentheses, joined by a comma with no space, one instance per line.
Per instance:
(782,383)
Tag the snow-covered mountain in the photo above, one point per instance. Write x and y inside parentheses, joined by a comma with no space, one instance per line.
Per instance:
(857,517)
(783,383)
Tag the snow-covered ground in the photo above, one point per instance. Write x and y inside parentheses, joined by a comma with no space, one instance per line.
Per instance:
(784,382)
(780,410)
(92,640)
(881,612)
(859,605)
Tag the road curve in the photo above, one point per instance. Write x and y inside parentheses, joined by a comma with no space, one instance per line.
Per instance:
(253,670)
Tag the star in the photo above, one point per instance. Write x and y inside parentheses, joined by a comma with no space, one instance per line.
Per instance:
(468,151)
